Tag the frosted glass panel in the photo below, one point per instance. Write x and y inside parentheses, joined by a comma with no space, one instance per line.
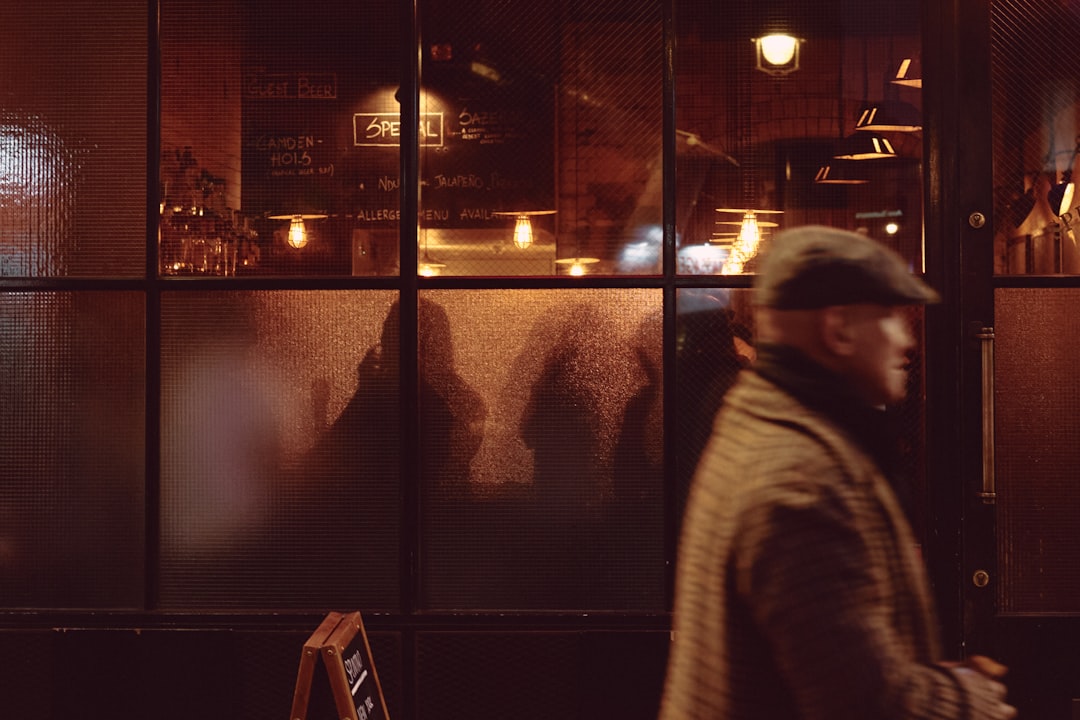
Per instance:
(547,405)
(71,449)
(73,138)
(1037,448)
(280,459)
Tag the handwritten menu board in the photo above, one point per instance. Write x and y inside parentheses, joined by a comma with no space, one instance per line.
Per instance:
(342,644)
(327,142)
(498,157)
(290,147)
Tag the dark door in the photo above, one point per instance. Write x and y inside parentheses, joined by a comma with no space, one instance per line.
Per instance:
(1019,293)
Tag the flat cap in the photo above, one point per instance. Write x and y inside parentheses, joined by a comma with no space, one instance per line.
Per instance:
(815,266)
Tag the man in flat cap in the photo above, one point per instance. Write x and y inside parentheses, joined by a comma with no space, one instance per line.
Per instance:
(800,594)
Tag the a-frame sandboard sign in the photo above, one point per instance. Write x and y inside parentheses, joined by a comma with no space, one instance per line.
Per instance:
(342,644)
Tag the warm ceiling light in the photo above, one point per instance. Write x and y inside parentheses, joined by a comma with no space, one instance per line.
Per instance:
(429,266)
(777,54)
(745,245)
(577,264)
(890,116)
(908,73)
(865,146)
(524,234)
(297,232)
(297,236)
(778,49)
(839,173)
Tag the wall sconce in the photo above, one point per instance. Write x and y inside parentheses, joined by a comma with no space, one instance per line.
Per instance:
(1061,195)
(777,53)
(298,233)
(890,116)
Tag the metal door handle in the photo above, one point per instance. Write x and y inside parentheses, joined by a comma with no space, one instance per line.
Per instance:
(988,494)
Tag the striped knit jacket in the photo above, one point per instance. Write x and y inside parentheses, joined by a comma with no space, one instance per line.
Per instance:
(800,593)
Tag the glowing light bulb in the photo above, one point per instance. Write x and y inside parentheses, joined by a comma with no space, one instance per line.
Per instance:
(523,232)
(576,266)
(745,246)
(778,49)
(298,237)
(1067,198)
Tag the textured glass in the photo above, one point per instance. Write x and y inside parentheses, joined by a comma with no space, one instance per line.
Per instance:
(540,146)
(279,137)
(73,138)
(72,465)
(713,342)
(541,442)
(761,147)
(1036,431)
(280,450)
(1036,133)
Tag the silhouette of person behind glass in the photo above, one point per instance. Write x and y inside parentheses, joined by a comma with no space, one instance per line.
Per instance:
(707,365)
(632,566)
(344,491)
(351,475)
(452,414)
(562,424)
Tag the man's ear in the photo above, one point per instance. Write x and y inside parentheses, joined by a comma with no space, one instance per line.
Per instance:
(835,331)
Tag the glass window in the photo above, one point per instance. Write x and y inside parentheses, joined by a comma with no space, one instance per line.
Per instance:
(543,460)
(71,448)
(792,114)
(73,139)
(541,138)
(1036,134)
(279,138)
(1036,407)
(280,450)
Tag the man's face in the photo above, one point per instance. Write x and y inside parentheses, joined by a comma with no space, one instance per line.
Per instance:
(881,341)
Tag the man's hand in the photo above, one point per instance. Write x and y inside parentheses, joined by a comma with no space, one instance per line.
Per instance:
(987,666)
(981,676)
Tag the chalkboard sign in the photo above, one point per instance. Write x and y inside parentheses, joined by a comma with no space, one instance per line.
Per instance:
(326,140)
(291,146)
(342,644)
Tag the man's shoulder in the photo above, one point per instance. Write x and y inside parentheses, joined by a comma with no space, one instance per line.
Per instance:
(764,437)
(756,413)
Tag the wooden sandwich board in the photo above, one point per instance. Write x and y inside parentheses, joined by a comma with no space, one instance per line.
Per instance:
(342,644)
